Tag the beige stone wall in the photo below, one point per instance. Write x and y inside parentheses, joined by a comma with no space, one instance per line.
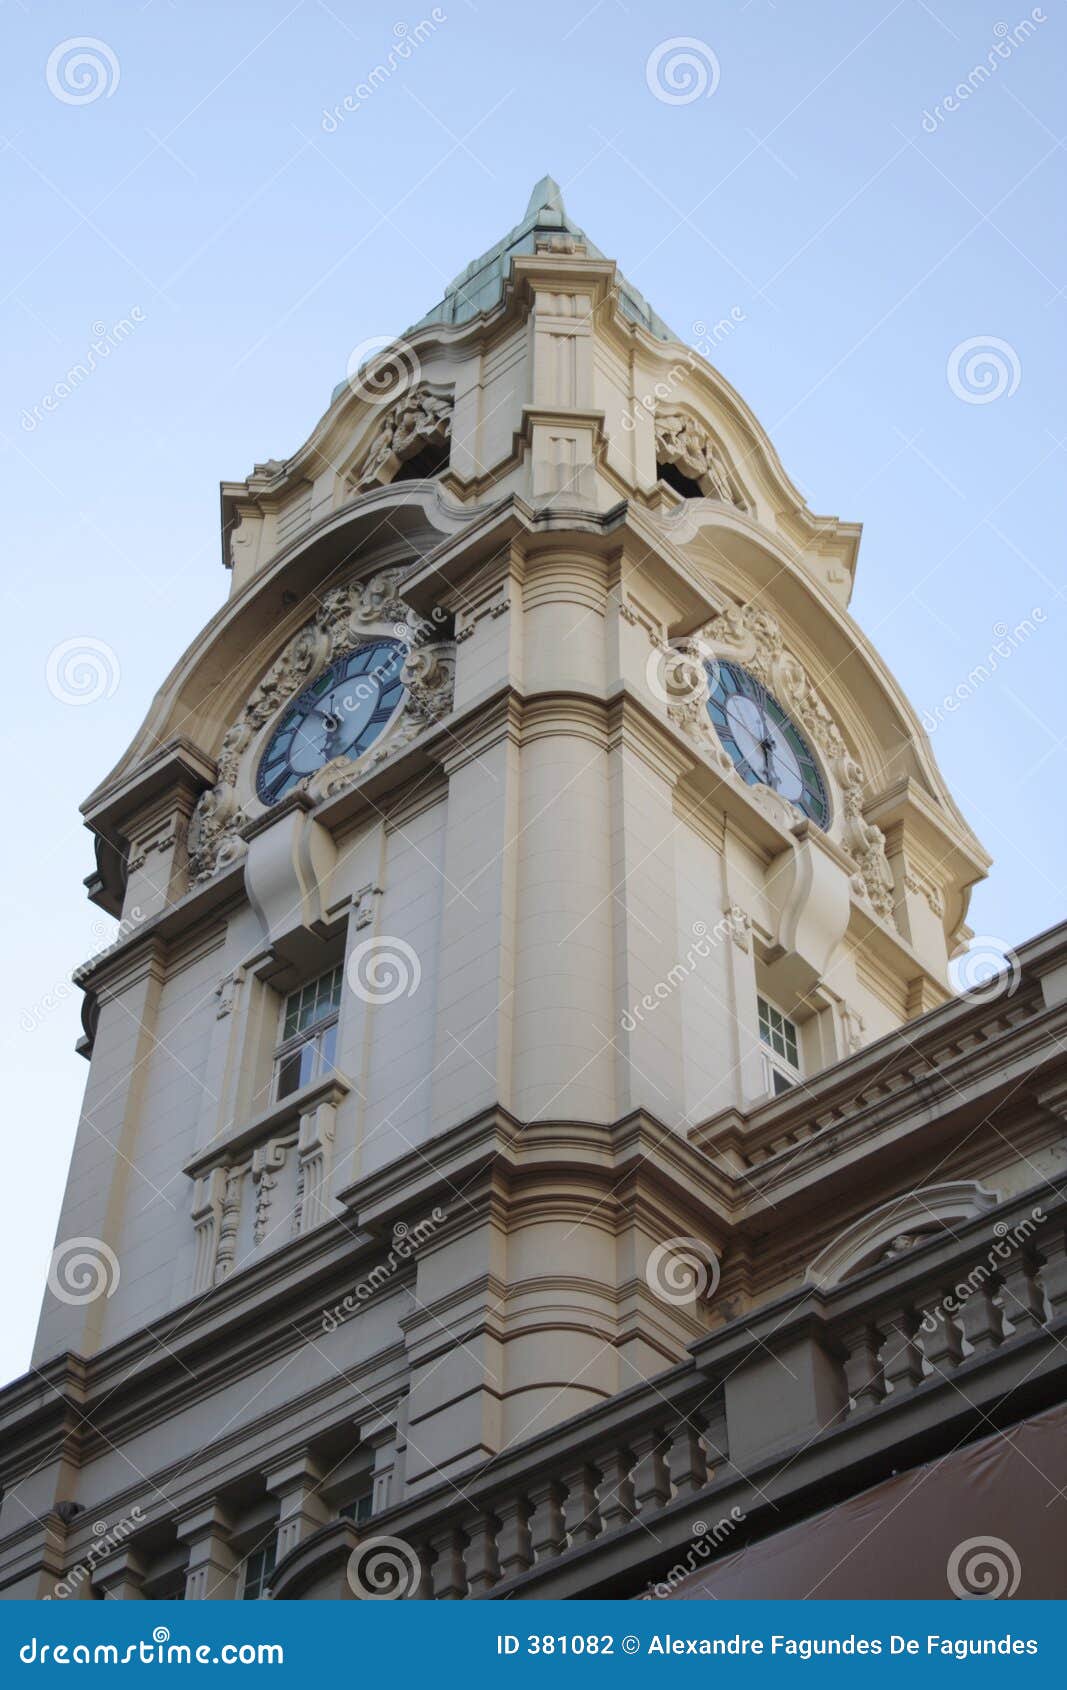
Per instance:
(586,898)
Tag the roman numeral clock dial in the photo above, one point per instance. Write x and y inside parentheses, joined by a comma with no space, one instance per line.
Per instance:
(339,715)
(767,747)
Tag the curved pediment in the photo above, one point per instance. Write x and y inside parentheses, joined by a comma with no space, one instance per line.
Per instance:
(208,687)
(914,1218)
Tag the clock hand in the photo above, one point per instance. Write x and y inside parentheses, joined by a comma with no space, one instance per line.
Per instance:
(767,742)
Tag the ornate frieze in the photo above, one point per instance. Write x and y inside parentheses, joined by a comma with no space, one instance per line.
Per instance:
(268,1193)
(347,616)
(423,417)
(687,444)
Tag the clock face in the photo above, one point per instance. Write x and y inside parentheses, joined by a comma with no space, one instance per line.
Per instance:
(766,745)
(339,715)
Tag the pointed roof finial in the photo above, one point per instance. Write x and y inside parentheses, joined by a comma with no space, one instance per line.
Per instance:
(547,196)
(480,287)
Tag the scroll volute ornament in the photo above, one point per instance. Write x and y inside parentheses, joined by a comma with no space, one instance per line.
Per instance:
(754,636)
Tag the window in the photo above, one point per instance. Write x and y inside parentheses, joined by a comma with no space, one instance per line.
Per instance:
(779,1037)
(359,1509)
(258,1568)
(308,1046)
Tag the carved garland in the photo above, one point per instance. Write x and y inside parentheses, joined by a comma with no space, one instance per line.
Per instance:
(346,616)
(756,638)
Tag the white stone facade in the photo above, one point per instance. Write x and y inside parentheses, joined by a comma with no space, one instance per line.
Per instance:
(557,904)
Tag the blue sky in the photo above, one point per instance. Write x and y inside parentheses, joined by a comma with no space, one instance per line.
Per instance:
(864,230)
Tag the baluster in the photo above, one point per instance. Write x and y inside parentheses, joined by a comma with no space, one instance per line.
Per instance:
(615,1492)
(713,1437)
(513,1537)
(864,1379)
(581,1516)
(652,1485)
(941,1339)
(1054,1272)
(481,1558)
(547,1536)
(686,1462)
(1023,1303)
(982,1322)
(902,1361)
(448,1577)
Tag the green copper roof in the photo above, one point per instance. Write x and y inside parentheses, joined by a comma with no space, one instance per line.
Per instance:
(480,286)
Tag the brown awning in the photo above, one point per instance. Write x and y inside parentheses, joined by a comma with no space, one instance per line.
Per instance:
(988,1517)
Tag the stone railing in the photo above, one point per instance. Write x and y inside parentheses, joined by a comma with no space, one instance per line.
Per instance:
(617,1467)
(825,1382)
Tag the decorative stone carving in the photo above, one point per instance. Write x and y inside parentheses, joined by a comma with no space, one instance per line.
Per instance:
(348,614)
(683,441)
(854,1028)
(250,1175)
(739,925)
(363,903)
(421,418)
(266,1160)
(560,241)
(226,992)
(754,636)
(925,888)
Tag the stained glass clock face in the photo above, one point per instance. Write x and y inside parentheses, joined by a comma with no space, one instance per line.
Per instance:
(339,715)
(765,743)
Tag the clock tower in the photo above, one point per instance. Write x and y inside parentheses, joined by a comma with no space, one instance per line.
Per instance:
(501,874)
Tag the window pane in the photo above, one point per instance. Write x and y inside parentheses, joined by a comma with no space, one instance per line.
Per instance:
(312,1003)
(289,1073)
(328,1050)
(258,1568)
(296,1068)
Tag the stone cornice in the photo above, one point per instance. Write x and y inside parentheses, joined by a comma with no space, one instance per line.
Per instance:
(963,1055)
(469,732)
(285,1113)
